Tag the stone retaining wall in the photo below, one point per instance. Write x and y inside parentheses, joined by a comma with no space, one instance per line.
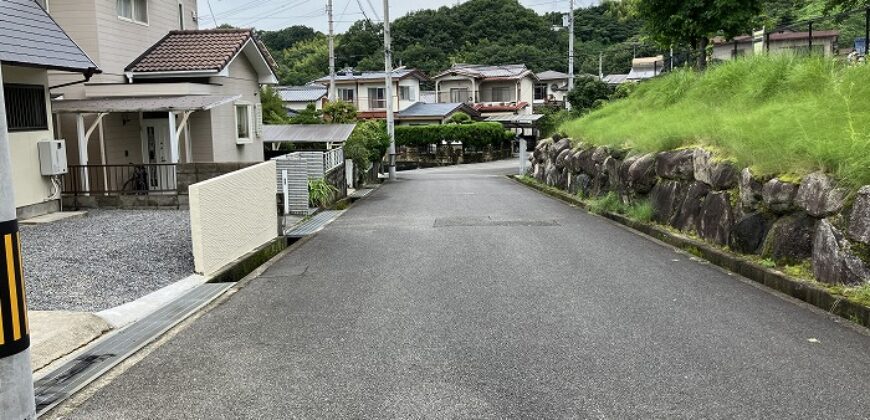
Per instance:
(788,221)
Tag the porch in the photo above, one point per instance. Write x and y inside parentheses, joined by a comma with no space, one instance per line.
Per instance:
(139,142)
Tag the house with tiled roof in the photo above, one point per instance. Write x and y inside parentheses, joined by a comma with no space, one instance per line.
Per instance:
(489,89)
(170,94)
(31,45)
(366,90)
(297,98)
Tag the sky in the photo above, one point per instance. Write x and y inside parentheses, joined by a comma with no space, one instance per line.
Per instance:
(277,14)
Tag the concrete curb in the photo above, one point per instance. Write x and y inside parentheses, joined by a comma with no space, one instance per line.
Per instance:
(773,279)
(130,312)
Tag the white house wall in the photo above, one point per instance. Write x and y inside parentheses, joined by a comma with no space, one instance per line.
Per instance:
(30,186)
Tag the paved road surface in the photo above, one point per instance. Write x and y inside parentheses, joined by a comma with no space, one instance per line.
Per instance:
(458,293)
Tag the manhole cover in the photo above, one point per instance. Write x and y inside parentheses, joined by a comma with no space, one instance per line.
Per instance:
(487,221)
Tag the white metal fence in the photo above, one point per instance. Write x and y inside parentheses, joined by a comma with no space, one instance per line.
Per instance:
(295,169)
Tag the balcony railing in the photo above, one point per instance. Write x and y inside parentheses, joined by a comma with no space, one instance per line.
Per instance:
(159,178)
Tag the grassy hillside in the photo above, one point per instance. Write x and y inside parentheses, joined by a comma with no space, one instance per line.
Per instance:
(777,114)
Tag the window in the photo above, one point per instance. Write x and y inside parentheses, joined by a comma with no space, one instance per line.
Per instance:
(377,98)
(406,93)
(345,94)
(501,94)
(540,91)
(180,16)
(243,122)
(25,107)
(135,10)
(459,95)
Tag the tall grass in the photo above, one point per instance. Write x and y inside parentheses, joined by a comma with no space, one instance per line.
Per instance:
(777,114)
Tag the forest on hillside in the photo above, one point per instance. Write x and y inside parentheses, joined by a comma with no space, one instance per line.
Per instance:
(493,32)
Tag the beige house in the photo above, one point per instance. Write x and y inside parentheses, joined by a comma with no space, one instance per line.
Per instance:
(169,94)
(366,90)
(823,42)
(490,89)
(25,58)
(551,88)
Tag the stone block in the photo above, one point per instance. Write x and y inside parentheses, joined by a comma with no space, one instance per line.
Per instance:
(859,220)
(666,197)
(718,175)
(790,239)
(716,218)
(690,209)
(676,164)
(750,191)
(778,196)
(747,234)
(833,260)
(641,174)
(819,195)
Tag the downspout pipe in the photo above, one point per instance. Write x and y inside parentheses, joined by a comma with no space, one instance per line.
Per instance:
(88,74)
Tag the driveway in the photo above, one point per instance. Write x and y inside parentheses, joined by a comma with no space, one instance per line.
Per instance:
(455,292)
(105,259)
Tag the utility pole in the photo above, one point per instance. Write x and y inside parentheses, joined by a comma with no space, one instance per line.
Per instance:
(600,66)
(570,52)
(331,93)
(16,378)
(388,78)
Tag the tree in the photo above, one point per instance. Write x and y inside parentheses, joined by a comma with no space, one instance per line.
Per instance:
(304,62)
(273,107)
(587,93)
(459,118)
(309,115)
(363,39)
(285,38)
(367,144)
(339,112)
(693,22)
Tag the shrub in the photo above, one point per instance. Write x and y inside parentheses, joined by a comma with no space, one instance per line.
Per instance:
(459,118)
(478,134)
(368,143)
(339,112)
(588,91)
(320,192)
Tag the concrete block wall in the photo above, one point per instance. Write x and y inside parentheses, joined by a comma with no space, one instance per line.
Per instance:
(231,215)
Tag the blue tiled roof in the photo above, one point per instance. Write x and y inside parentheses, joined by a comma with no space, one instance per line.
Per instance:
(29,36)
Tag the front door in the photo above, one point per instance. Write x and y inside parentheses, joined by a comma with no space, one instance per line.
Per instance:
(155,138)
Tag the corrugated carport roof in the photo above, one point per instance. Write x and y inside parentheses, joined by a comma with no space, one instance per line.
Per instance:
(307,133)
(142,104)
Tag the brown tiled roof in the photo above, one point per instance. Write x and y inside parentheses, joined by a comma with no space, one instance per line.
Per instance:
(196,50)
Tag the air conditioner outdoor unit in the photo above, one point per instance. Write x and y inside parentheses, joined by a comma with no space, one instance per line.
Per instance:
(52,157)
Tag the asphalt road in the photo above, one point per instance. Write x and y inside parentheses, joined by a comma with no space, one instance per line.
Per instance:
(458,293)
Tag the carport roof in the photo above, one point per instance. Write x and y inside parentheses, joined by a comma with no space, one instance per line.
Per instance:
(307,133)
(141,104)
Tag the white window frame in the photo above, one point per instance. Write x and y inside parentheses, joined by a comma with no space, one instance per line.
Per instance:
(343,97)
(373,101)
(409,96)
(249,110)
(132,18)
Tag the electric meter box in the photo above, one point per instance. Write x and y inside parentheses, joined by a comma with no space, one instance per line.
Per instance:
(52,157)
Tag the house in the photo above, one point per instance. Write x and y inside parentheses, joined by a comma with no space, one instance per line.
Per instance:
(425,113)
(823,42)
(615,79)
(551,88)
(170,93)
(643,68)
(26,57)
(297,98)
(489,89)
(366,90)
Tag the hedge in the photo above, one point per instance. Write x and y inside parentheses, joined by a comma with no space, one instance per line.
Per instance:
(478,134)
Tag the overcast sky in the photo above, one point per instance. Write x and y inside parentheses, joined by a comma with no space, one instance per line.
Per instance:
(277,14)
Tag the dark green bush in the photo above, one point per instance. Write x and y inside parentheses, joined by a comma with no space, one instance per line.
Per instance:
(478,134)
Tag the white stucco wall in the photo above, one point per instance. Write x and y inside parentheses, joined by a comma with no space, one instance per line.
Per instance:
(30,186)
(232,215)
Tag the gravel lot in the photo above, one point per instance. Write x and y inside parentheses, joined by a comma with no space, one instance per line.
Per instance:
(105,259)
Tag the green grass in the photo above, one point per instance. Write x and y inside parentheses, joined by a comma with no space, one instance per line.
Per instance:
(776,114)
